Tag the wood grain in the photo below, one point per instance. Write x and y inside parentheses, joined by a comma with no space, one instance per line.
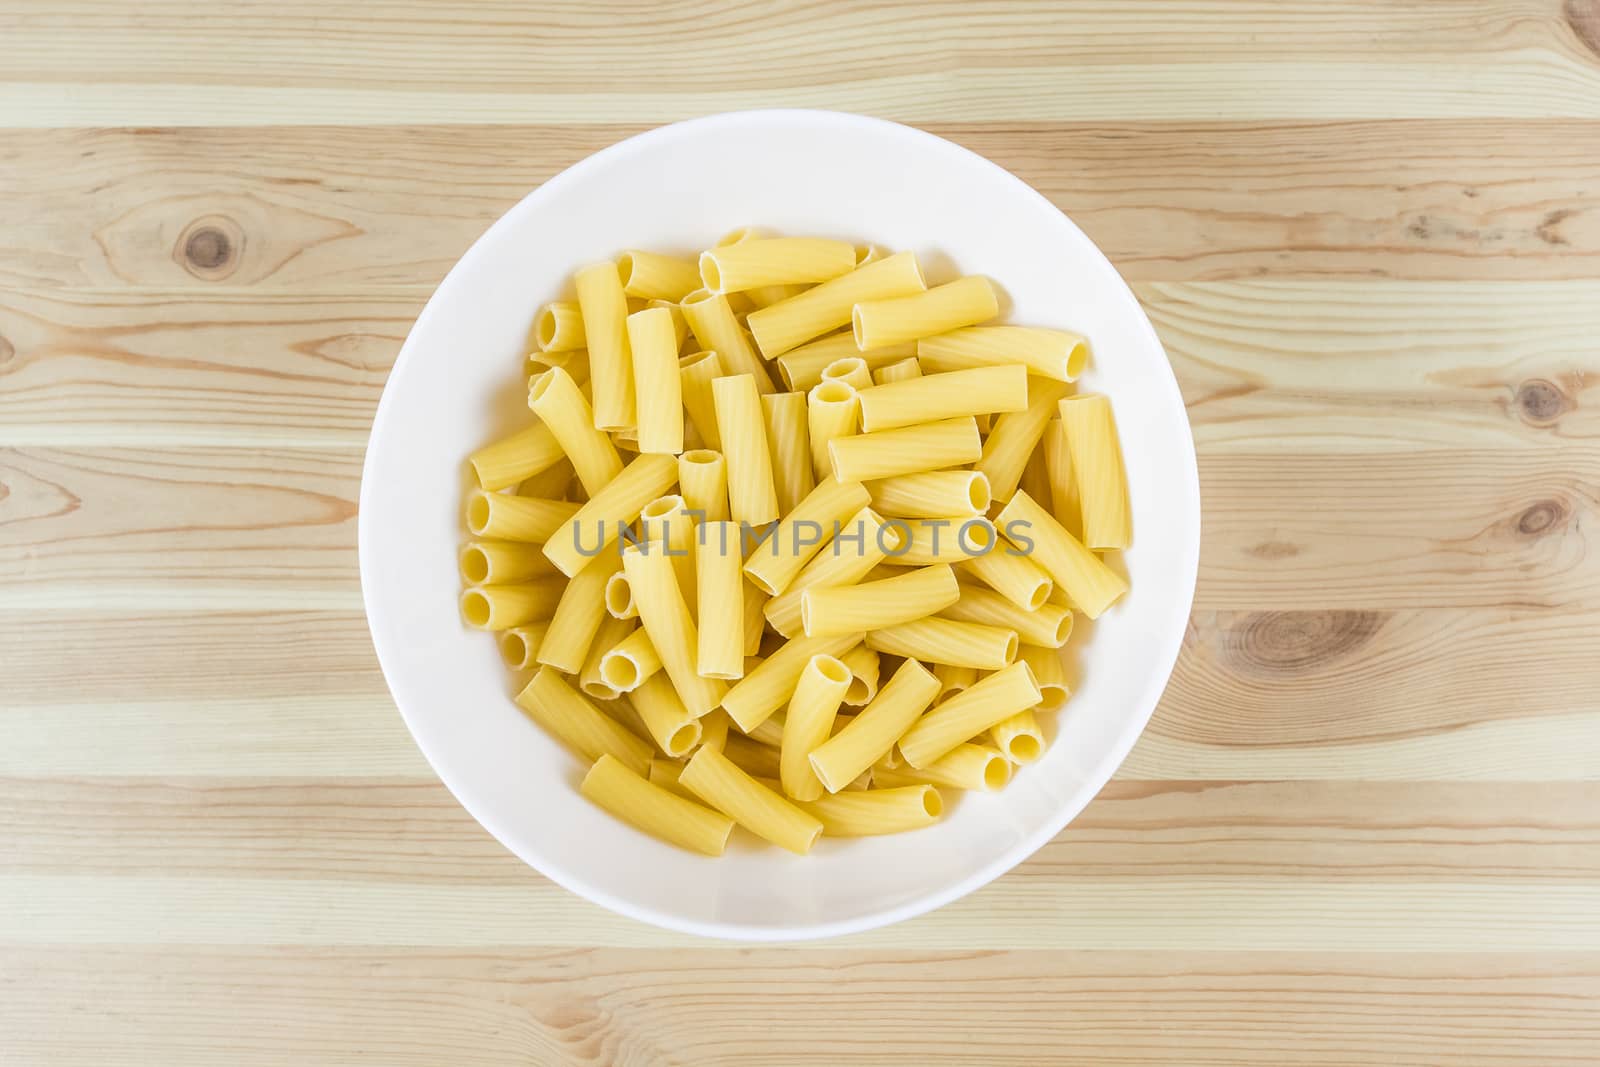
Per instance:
(1362,826)
(705,1006)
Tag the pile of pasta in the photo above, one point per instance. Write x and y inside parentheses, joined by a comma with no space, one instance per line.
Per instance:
(795,539)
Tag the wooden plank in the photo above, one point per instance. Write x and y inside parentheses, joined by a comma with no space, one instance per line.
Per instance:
(298,207)
(1245,914)
(413,831)
(713,1008)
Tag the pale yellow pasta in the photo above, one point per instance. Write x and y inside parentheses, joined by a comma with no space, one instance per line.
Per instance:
(703,481)
(1088,583)
(714,327)
(771,731)
(951,540)
(714,731)
(809,722)
(872,734)
(715,779)
(500,562)
(1050,673)
(1019,737)
(752,495)
(721,602)
(519,646)
(948,641)
(964,302)
(870,253)
(953,679)
(876,811)
(1015,577)
(932,495)
(944,396)
(598,524)
(1016,435)
(504,517)
(861,544)
(764,690)
(558,327)
(864,666)
(576,364)
(775,562)
(549,484)
(605,313)
(802,368)
(790,323)
(666,618)
(514,459)
(1053,354)
(665,772)
(671,727)
(591,679)
(898,371)
(852,370)
(832,411)
(759,262)
(655,810)
(556,399)
(969,713)
(752,757)
(696,372)
(656,381)
(651,276)
(754,621)
(667,519)
(872,605)
(578,724)
(1063,487)
(1097,471)
(578,616)
(790,441)
(629,662)
(1036,476)
(766,295)
(680,325)
(619,598)
(977,768)
(890,453)
(1049,624)
(500,607)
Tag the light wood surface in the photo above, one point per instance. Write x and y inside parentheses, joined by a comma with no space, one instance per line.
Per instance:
(1364,825)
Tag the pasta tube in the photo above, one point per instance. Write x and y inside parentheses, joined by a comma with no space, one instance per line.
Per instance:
(500,607)
(1050,673)
(556,399)
(703,480)
(790,323)
(889,453)
(852,370)
(516,518)
(861,544)
(591,682)
(715,779)
(577,616)
(973,767)
(774,563)
(558,327)
(844,756)
(673,729)
(657,811)
(499,562)
(1097,471)
(763,691)
(519,646)
(932,495)
(1017,578)
(964,302)
(809,722)
(598,524)
(605,311)
(1064,503)
(656,379)
(945,396)
(578,724)
(516,458)
(1053,354)
(752,495)
(721,599)
(957,644)
(619,598)
(763,261)
(969,713)
(651,276)
(788,436)
(629,662)
(877,811)
(1089,584)
(714,327)
(1019,737)
(666,618)
(864,665)
(1016,435)
(874,605)
(832,410)
(898,371)
(1049,624)
(957,540)
(803,367)
(696,372)
(953,679)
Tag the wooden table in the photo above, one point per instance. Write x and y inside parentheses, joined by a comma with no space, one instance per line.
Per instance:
(1364,825)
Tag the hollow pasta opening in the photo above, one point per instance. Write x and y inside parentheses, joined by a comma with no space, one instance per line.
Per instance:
(620,672)
(625,269)
(478,513)
(700,457)
(661,507)
(544,327)
(1023,748)
(1011,647)
(856,327)
(513,649)
(539,385)
(932,802)
(619,596)
(1063,629)
(833,670)
(683,739)
(475,607)
(1040,594)
(833,391)
(709,272)
(996,773)
(978,492)
(840,369)
(475,564)
(1076,359)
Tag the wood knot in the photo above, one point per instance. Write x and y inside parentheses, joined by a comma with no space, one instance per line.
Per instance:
(1540,402)
(1584,18)
(1543,516)
(1279,642)
(210,247)
(8,351)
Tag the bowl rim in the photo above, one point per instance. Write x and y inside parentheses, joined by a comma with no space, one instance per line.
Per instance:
(1164,661)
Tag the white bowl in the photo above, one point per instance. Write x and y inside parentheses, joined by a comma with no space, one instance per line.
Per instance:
(457,385)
